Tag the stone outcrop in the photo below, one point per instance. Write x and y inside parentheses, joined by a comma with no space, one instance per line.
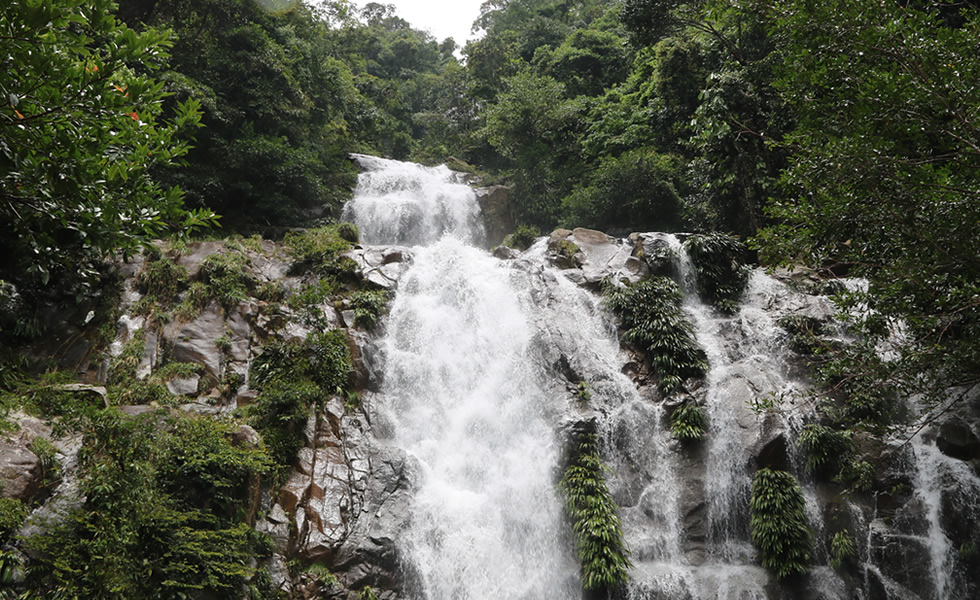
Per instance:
(497,207)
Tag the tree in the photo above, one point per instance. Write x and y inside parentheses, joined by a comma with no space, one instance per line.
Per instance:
(884,183)
(80,129)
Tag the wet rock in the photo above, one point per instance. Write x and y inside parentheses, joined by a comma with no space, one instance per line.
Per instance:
(774,454)
(656,251)
(957,440)
(184,386)
(505,253)
(381,266)
(497,207)
(902,558)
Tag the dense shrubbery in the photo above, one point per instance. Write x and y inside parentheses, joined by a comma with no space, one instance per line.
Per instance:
(292,377)
(598,537)
(167,498)
(779,525)
(654,321)
(719,270)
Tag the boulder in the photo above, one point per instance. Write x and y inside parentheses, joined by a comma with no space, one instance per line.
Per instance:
(195,343)
(497,208)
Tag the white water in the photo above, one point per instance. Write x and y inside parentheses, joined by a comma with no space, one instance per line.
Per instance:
(475,395)
(467,403)
(408,204)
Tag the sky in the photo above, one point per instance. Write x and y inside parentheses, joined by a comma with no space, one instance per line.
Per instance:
(442,18)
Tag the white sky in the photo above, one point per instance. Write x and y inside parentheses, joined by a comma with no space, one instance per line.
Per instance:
(442,18)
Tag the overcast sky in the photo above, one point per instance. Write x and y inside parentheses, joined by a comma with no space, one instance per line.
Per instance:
(442,18)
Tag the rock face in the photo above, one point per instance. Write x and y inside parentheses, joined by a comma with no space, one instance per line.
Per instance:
(497,207)
(591,256)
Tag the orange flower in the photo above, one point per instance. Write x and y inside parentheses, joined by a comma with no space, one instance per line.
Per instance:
(134,116)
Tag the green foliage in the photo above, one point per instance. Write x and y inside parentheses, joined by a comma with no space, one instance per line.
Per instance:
(80,131)
(162,280)
(654,321)
(636,190)
(142,532)
(368,306)
(826,449)
(292,378)
(329,358)
(599,538)
(565,248)
(883,184)
(45,451)
(13,513)
(688,422)
(318,248)
(522,237)
(227,277)
(721,276)
(780,529)
(841,548)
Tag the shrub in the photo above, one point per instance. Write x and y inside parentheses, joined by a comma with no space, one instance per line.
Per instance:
(654,321)
(227,278)
(636,189)
(161,280)
(161,516)
(721,276)
(841,548)
(522,238)
(598,535)
(313,248)
(779,525)
(368,306)
(330,360)
(13,512)
(688,422)
(826,449)
(291,378)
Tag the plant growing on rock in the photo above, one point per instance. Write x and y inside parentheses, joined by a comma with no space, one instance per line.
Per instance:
(227,277)
(779,525)
(162,280)
(312,249)
(368,306)
(841,548)
(654,321)
(721,277)
(588,503)
(688,422)
(292,377)
(522,237)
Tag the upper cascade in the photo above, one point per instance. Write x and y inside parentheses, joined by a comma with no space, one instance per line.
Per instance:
(412,205)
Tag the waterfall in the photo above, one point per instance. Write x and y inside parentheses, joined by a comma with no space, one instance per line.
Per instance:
(408,204)
(489,364)
(465,401)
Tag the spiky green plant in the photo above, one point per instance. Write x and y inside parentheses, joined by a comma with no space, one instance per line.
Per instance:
(654,320)
(780,529)
(589,505)
(688,422)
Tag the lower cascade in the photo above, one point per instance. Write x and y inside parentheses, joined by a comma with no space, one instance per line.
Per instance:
(490,367)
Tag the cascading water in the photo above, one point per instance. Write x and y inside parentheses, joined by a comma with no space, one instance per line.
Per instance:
(466,402)
(488,364)
(408,204)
